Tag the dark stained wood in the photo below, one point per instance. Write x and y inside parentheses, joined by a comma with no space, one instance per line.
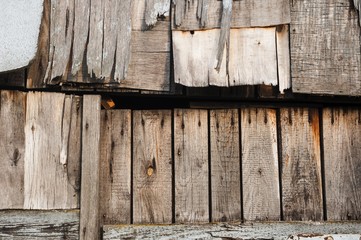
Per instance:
(115,166)
(261,191)
(301,164)
(225,165)
(152,166)
(13,79)
(342,153)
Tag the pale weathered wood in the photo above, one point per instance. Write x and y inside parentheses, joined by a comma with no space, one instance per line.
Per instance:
(283,58)
(261,191)
(325,51)
(225,165)
(154,9)
(246,13)
(191,165)
(248,231)
(252,58)
(152,166)
(115,154)
(342,154)
(51,174)
(18,225)
(301,164)
(90,172)
(12,148)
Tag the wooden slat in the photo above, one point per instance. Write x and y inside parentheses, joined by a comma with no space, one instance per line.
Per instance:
(115,153)
(18,225)
(90,172)
(261,191)
(283,58)
(52,162)
(13,79)
(252,231)
(12,148)
(225,165)
(152,166)
(342,153)
(191,165)
(246,13)
(301,164)
(322,62)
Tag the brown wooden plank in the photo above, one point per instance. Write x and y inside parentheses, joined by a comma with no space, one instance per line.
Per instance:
(261,191)
(301,164)
(152,166)
(325,63)
(90,172)
(342,157)
(191,165)
(225,165)
(51,176)
(115,153)
(12,148)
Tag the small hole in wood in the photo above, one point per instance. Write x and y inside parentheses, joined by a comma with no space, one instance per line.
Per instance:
(192,32)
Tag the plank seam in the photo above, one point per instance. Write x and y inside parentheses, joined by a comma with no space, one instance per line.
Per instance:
(240,162)
(279,149)
(173,167)
(322,159)
(131,167)
(209,167)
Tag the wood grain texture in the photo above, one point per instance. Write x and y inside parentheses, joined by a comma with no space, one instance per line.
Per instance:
(12,149)
(261,191)
(342,151)
(301,164)
(225,165)
(115,166)
(325,52)
(52,153)
(283,57)
(18,225)
(90,169)
(246,13)
(191,165)
(152,166)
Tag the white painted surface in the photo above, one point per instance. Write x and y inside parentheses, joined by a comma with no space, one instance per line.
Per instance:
(19,30)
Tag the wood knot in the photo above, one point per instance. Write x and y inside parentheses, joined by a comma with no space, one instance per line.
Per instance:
(150,171)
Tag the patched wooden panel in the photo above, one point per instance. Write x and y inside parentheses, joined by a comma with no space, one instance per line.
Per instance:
(342,153)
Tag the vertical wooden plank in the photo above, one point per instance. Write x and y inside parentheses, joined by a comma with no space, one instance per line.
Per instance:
(301,164)
(115,166)
(283,57)
(225,165)
(191,165)
(342,157)
(152,166)
(12,148)
(51,166)
(89,201)
(261,193)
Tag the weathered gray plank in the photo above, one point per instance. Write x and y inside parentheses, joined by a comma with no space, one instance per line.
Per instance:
(191,165)
(342,157)
(39,225)
(51,174)
(322,62)
(261,191)
(247,13)
(90,172)
(248,231)
(152,166)
(115,166)
(12,148)
(225,165)
(283,58)
(301,164)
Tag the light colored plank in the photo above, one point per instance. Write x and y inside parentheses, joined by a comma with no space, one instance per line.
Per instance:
(51,167)
(18,225)
(152,166)
(225,165)
(246,13)
(148,14)
(261,191)
(12,148)
(325,63)
(301,164)
(248,231)
(19,35)
(191,165)
(283,58)
(115,153)
(342,154)
(90,172)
